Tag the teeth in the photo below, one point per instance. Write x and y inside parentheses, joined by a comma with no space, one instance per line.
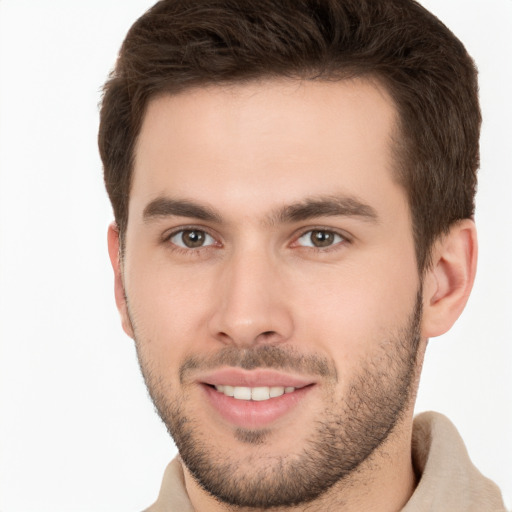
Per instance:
(260,394)
(242,393)
(277,391)
(257,394)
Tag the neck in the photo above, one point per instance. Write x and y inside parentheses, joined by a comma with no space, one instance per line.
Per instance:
(383,483)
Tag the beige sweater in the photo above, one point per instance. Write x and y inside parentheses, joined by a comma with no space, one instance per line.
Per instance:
(449,482)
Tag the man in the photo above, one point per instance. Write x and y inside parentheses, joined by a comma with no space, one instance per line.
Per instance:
(293,189)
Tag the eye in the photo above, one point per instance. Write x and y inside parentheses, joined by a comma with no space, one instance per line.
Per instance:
(320,238)
(191,239)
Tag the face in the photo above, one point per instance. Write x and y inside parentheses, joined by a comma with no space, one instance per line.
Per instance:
(271,283)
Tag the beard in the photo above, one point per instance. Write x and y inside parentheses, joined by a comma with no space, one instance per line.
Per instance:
(346,433)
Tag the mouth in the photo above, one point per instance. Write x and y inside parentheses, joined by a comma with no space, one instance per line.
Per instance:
(254,399)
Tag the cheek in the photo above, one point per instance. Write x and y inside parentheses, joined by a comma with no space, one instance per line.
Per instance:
(356,308)
(169,313)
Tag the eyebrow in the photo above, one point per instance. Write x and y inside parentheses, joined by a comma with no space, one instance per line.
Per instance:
(324,206)
(167,207)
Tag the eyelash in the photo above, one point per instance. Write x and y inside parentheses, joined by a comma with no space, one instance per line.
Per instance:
(345,240)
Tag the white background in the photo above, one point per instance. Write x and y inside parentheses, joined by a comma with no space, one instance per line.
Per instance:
(77,431)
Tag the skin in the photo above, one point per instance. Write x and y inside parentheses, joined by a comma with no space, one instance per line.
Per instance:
(244,152)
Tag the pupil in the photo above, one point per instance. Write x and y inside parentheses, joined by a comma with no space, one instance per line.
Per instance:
(193,238)
(322,238)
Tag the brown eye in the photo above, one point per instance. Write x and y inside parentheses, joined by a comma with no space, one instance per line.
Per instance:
(320,238)
(191,239)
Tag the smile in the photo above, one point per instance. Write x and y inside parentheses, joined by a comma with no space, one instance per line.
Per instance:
(257,394)
(254,398)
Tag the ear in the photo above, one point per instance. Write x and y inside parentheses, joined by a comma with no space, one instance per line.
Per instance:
(115,259)
(449,280)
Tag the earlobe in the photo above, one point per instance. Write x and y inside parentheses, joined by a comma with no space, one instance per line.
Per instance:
(449,280)
(119,292)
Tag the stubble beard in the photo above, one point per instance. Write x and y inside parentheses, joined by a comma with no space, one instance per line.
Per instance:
(351,428)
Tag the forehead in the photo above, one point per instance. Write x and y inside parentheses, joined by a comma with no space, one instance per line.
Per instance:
(263,144)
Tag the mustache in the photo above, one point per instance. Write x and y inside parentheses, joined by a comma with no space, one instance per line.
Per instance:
(261,357)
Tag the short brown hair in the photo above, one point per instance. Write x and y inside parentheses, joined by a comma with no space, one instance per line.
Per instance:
(179,44)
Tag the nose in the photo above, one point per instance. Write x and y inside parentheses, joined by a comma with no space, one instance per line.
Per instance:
(252,306)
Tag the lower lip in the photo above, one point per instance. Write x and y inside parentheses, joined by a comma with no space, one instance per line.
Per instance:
(252,414)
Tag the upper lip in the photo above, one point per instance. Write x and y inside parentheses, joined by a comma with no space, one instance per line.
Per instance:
(238,377)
